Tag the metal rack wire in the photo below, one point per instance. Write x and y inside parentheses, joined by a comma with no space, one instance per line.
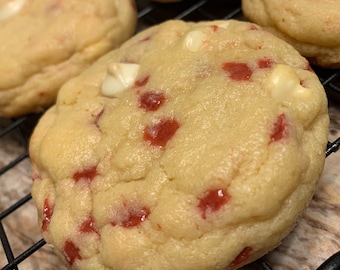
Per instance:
(149,14)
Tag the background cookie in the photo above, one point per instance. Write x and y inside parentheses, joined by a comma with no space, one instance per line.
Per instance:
(177,142)
(312,27)
(45,43)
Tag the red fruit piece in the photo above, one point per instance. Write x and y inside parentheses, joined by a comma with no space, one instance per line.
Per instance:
(147,38)
(309,68)
(151,101)
(237,71)
(42,93)
(54,7)
(88,226)
(71,252)
(36,176)
(212,201)
(241,258)
(214,27)
(159,133)
(47,214)
(143,81)
(280,129)
(133,217)
(87,174)
(253,27)
(265,63)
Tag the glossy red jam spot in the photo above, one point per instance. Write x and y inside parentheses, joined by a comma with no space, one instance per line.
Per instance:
(133,217)
(142,81)
(47,214)
(159,133)
(151,101)
(280,129)
(71,252)
(237,71)
(89,226)
(212,201)
(265,63)
(241,258)
(87,174)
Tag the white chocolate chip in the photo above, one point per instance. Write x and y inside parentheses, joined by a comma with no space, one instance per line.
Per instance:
(223,24)
(10,7)
(194,40)
(287,84)
(119,77)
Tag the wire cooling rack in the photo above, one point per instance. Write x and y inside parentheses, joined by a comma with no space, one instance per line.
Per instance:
(19,130)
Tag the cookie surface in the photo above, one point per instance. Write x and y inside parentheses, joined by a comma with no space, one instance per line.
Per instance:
(312,27)
(45,43)
(193,146)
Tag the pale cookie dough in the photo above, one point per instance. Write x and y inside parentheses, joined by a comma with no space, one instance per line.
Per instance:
(45,43)
(312,27)
(193,146)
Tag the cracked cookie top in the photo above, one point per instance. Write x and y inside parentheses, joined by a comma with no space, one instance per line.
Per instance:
(193,146)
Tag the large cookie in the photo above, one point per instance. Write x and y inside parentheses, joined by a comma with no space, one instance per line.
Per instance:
(45,43)
(193,146)
(312,27)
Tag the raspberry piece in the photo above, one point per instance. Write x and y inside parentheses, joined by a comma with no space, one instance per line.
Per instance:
(147,38)
(241,258)
(151,101)
(143,81)
(71,252)
(36,176)
(265,63)
(47,214)
(159,133)
(309,68)
(280,129)
(88,226)
(87,174)
(253,27)
(53,7)
(42,93)
(237,71)
(214,27)
(133,217)
(212,201)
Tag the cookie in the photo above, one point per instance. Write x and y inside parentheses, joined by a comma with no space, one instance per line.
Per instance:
(45,43)
(312,28)
(192,146)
